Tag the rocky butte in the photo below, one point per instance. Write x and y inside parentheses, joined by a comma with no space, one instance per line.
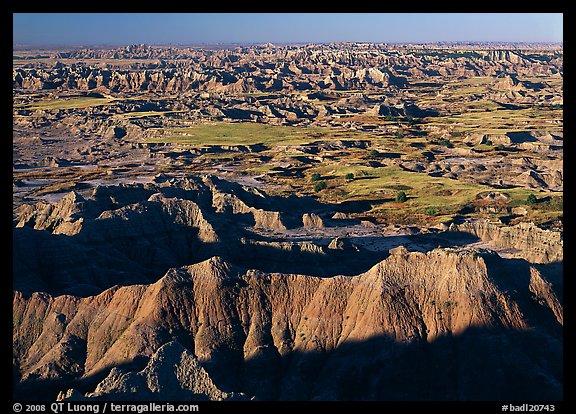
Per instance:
(224,224)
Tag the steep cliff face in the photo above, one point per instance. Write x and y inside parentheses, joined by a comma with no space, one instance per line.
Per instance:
(228,202)
(82,246)
(306,319)
(543,292)
(132,234)
(172,373)
(269,334)
(58,218)
(525,239)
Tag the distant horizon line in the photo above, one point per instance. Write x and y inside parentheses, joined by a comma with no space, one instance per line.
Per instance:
(192,44)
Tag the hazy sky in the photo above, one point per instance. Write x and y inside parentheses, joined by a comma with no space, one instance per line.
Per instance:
(159,28)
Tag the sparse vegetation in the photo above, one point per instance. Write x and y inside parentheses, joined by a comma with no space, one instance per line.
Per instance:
(464,112)
(304,182)
(321,185)
(422,192)
(551,204)
(432,211)
(249,133)
(446,143)
(401,197)
(145,114)
(68,103)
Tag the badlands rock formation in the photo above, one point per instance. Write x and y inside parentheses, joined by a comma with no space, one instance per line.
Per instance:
(170,241)
(267,334)
(270,334)
(172,373)
(527,240)
(333,67)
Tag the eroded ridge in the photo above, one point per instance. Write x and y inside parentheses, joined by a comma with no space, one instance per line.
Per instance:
(346,221)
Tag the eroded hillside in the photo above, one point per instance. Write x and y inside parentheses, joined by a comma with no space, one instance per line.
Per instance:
(312,222)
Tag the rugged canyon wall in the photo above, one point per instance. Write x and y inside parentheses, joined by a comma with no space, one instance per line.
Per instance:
(91,318)
(525,240)
(269,334)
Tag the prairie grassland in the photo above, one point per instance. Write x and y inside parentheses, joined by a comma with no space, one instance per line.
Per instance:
(248,133)
(67,103)
(447,196)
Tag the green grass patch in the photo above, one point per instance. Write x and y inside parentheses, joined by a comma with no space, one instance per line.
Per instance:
(422,190)
(67,103)
(447,196)
(249,133)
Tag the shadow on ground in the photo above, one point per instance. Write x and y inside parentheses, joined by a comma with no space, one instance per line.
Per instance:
(479,364)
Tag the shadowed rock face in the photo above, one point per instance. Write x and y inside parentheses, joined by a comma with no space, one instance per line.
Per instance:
(270,334)
(172,373)
(131,234)
(440,323)
(196,288)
